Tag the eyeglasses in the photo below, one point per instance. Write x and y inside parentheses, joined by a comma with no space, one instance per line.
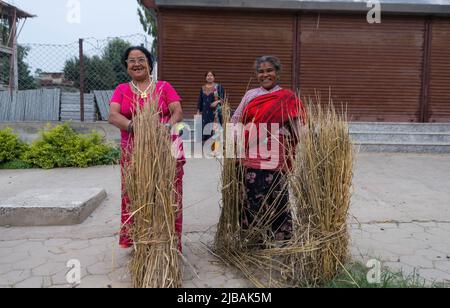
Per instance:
(133,61)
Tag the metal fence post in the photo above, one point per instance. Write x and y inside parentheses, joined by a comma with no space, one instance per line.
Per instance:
(81,81)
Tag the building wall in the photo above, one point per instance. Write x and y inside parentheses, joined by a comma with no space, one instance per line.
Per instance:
(228,43)
(439,89)
(374,69)
(380,72)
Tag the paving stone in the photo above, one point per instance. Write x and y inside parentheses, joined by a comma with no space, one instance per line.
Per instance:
(444,226)
(49,269)
(443,266)
(100,268)
(4,252)
(417,262)
(121,275)
(102,241)
(430,254)
(46,282)
(29,247)
(434,276)
(14,257)
(57,242)
(11,244)
(76,245)
(237,283)
(5,268)
(60,278)
(428,225)
(30,283)
(93,281)
(400,248)
(399,267)
(189,285)
(14,277)
(29,264)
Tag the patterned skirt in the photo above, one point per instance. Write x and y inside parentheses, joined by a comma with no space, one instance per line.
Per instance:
(266,203)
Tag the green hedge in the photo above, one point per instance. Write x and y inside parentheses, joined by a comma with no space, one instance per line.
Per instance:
(61,146)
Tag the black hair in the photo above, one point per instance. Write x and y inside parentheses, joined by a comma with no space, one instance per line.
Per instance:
(212,72)
(271,59)
(147,54)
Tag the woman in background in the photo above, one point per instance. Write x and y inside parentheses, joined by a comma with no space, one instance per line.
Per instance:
(209,107)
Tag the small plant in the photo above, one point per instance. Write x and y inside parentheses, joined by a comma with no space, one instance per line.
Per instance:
(11,147)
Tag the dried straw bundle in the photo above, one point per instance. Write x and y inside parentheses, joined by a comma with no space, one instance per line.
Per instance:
(229,228)
(321,183)
(149,176)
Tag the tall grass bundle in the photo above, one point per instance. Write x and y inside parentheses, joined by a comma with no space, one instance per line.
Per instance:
(149,176)
(229,227)
(321,182)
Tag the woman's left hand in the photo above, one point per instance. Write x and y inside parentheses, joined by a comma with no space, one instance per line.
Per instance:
(215,104)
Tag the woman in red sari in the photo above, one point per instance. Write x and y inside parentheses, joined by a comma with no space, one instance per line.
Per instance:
(272,117)
(139,64)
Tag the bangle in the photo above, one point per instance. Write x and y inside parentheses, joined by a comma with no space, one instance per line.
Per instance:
(130,127)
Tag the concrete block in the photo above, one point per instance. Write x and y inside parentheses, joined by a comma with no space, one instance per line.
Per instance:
(50,207)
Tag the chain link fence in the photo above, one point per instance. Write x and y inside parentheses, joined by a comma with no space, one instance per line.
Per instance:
(64,82)
(58,66)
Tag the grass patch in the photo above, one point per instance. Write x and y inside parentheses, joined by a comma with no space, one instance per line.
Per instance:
(355,276)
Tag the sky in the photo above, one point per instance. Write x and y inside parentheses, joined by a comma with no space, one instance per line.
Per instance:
(64,22)
(57,21)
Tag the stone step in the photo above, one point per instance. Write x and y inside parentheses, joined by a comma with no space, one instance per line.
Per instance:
(401,137)
(386,137)
(400,127)
(378,147)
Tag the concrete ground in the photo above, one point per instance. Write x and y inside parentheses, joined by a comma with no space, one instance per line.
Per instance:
(400,216)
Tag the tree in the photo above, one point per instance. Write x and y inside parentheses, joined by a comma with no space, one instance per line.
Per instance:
(148,20)
(26,80)
(99,73)
(113,54)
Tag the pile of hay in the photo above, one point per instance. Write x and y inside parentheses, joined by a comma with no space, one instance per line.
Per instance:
(149,177)
(319,184)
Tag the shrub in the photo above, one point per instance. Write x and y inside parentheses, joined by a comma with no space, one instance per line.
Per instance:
(11,147)
(16,164)
(61,146)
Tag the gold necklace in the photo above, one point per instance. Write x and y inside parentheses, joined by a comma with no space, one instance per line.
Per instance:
(143,94)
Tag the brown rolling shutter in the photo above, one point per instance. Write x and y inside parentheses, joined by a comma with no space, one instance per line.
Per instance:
(375,68)
(439,93)
(193,42)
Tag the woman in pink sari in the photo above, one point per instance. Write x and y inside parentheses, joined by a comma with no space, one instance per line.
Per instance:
(139,64)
